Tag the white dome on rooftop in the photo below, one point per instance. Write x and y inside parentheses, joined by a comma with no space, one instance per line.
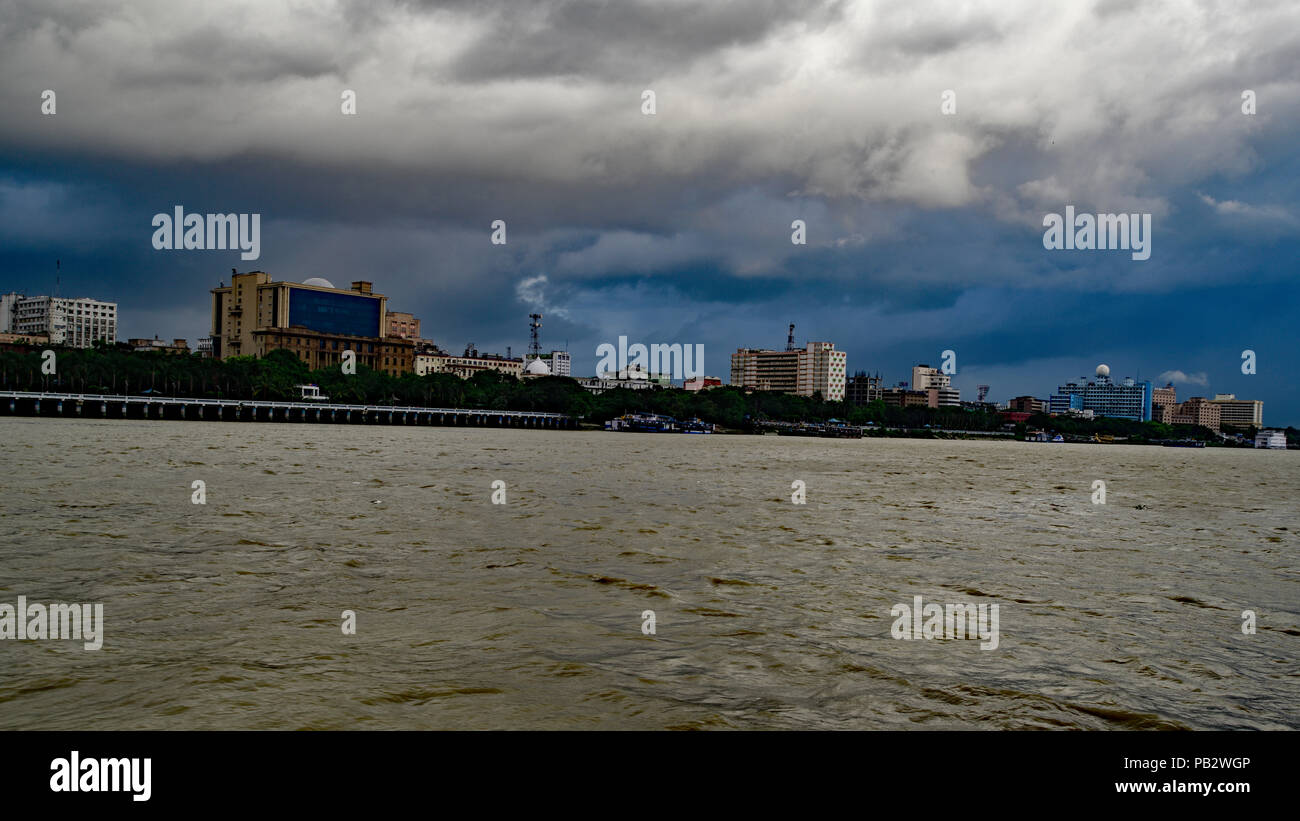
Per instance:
(537,368)
(319,282)
(1103,370)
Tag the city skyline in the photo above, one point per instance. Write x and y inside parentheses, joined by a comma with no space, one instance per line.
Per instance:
(924,223)
(847,374)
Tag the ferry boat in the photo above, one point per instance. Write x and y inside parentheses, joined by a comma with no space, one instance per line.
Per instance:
(1183,443)
(643,423)
(800,429)
(1271,439)
(696,425)
(835,429)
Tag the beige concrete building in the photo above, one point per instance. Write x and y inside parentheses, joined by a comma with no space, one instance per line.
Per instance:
(943,397)
(924,377)
(1163,401)
(904,398)
(1195,411)
(765,370)
(818,367)
(403,325)
(938,387)
(255,315)
(25,339)
(1240,412)
(319,350)
(468,364)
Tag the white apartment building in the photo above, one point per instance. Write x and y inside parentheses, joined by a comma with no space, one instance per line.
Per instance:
(77,323)
(822,370)
(559,363)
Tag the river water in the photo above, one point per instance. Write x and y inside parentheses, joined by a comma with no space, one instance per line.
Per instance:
(768,614)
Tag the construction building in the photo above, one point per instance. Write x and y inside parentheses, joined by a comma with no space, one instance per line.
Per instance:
(863,389)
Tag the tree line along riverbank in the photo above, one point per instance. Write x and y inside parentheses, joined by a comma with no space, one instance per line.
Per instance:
(276,376)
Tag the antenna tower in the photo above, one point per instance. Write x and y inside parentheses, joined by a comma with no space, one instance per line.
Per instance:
(535,347)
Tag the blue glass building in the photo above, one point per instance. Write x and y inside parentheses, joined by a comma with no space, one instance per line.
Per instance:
(1128,399)
(331,312)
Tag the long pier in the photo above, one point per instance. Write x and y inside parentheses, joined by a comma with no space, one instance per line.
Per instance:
(101,406)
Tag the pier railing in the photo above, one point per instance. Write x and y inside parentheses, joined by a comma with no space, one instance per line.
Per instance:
(44,403)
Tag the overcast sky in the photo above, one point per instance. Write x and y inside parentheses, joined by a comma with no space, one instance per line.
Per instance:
(924,229)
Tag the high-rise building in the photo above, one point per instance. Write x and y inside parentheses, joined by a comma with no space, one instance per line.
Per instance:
(1126,400)
(822,369)
(254,316)
(765,370)
(816,368)
(1240,412)
(77,323)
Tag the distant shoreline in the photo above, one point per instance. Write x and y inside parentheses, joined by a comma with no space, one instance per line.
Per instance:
(150,408)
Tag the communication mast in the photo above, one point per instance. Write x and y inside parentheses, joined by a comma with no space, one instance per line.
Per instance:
(789,340)
(535,347)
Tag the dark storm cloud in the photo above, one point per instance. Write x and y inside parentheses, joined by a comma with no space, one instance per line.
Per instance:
(923,230)
(627,42)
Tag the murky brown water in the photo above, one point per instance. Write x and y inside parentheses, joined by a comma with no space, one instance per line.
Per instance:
(528,615)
